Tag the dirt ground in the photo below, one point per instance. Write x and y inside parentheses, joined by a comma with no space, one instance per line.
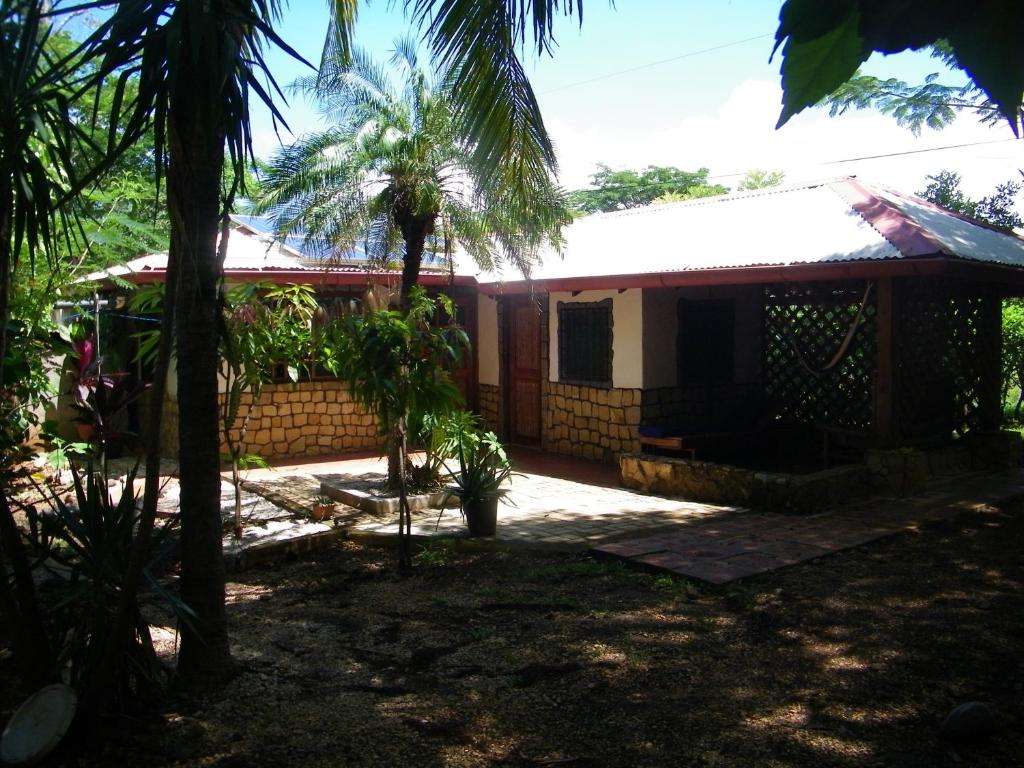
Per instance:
(502,659)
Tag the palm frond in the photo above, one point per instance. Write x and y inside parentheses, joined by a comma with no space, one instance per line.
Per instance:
(478,41)
(400,159)
(152,39)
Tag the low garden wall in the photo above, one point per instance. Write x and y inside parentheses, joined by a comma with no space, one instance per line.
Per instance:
(725,484)
(897,472)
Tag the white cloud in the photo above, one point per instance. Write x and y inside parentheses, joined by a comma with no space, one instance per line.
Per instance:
(741,135)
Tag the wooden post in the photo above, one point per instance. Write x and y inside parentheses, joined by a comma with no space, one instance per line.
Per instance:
(884,425)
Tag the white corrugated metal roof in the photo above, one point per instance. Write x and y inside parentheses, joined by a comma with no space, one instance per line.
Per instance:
(840,220)
(248,251)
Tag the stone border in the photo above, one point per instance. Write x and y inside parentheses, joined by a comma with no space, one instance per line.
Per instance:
(376,505)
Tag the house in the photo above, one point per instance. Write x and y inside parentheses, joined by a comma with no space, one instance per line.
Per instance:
(837,309)
(837,306)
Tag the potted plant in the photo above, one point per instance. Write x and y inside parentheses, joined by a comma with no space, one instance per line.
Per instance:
(323,507)
(483,468)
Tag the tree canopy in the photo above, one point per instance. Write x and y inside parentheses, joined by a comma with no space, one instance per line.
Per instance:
(998,208)
(823,44)
(759,179)
(618,190)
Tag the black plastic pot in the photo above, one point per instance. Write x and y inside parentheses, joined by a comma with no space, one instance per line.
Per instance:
(481,516)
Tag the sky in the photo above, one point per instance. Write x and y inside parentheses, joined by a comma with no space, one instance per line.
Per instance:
(687,84)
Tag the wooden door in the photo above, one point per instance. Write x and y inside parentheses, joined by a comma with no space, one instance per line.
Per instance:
(524,374)
(464,375)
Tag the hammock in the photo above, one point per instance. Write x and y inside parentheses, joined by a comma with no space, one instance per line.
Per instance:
(844,348)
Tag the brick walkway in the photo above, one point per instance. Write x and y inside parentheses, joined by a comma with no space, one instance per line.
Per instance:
(565,504)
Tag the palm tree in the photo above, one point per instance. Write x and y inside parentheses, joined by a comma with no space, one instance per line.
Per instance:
(197,61)
(396,172)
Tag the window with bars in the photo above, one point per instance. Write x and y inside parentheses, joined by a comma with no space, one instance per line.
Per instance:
(585,343)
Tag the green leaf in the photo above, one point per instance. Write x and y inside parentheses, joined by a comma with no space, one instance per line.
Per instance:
(812,69)
(994,58)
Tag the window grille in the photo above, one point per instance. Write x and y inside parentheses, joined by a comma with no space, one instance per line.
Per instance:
(585,343)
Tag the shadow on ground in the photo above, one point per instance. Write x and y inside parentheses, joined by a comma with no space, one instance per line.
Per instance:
(530,659)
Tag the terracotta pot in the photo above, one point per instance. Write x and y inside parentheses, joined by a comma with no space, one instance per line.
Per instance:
(85,431)
(322,511)
(481,516)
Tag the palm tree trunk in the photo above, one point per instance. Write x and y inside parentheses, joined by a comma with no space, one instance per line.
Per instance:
(196,143)
(414,233)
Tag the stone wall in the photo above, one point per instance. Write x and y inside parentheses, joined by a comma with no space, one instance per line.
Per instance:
(308,419)
(291,420)
(725,484)
(591,422)
(490,407)
(906,471)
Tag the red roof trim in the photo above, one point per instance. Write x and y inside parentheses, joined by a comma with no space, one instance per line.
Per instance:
(833,270)
(353,277)
(907,236)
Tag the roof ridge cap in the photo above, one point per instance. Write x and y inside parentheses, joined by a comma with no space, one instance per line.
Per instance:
(726,197)
(900,230)
(950,212)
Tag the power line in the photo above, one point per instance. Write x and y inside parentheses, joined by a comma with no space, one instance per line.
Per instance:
(918,151)
(639,67)
(734,174)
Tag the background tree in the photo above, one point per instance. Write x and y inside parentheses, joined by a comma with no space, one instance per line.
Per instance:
(758,179)
(618,190)
(998,208)
(930,104)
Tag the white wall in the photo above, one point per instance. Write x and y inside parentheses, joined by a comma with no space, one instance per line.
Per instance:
(627,333)
(487,340)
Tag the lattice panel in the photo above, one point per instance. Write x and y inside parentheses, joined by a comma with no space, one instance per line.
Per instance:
(945,357)
(805,327)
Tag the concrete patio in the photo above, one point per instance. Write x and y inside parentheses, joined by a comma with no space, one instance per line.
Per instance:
(571,505)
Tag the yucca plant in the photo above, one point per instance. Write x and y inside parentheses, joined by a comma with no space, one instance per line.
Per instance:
(484,467)
(89,541)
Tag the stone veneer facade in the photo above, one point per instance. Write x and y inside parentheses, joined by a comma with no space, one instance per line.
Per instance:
(306,419)
(591,422)
(490,407)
